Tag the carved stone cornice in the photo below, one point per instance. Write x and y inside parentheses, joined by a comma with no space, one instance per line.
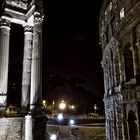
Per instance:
(5,22)
(17,3)
(28,28)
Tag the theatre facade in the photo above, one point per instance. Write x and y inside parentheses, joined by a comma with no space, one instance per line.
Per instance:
(119,30)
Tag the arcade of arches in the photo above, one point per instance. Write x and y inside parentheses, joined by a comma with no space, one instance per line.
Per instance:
(120,39)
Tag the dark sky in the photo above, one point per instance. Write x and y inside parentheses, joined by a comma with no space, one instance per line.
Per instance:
(72,46)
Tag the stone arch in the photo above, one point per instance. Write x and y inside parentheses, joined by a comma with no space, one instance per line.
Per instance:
(110,65)
(128,62)
(132,125)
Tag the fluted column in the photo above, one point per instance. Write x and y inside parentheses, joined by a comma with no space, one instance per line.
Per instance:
(4,59)
(36,68)
(26,75)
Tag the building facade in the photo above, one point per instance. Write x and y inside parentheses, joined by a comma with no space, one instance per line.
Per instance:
(119,27)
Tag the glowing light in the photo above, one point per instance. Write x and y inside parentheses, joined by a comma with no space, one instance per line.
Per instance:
(72,107)
(53,137)
(60,116)
(44,102)
(62,105)
(72,122)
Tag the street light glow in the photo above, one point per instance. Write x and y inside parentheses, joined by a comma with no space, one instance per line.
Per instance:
(71,122)
(44,102)
(95,107)
(60,116)
(53,137)
(72,107)
(62,106)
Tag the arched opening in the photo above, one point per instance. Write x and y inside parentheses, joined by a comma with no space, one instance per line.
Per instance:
(132,125)
(128,62)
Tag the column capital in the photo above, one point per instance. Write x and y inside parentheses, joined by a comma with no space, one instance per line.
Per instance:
(5,22)
(28,28)
(38,18)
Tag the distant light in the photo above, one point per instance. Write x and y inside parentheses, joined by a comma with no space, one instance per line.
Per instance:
(53,137)
(62,106)
(60,116)
(95,106)
(44,102)
(72,106)
(72,122)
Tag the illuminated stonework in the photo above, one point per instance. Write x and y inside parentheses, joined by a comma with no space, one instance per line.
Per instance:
(29,14)
(17,4)
(120,40)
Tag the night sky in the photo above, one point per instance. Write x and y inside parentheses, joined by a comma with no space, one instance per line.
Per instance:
(72,44)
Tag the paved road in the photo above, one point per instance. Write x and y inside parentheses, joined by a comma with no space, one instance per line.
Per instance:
(65,133)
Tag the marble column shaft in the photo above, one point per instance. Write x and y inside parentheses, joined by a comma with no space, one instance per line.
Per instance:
(36,68)
(26,75)
(4,57)
(28,127)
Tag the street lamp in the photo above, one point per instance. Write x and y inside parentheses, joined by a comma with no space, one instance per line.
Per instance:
(53,137)
(71,122)
(60,117)
(44,103)
(72,107)
(95,108)
(62,105)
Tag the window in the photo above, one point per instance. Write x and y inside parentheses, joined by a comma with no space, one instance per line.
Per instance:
(112,22)
(128,62)
(122,13)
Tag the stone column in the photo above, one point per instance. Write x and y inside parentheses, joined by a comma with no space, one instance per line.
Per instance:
(4,60)
(28,127)
(26,75)
(36,68)
(135,55)
(121,67)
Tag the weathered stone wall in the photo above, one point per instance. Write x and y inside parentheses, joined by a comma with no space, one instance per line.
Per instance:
(12,128)
(120,41)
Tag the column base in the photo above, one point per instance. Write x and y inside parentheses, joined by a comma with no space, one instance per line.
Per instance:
(39,123)
(24,110)
(2,111)
(3,98)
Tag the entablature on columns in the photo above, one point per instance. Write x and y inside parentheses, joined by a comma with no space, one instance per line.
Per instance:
(131,93)
(17,9)
(22,11)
